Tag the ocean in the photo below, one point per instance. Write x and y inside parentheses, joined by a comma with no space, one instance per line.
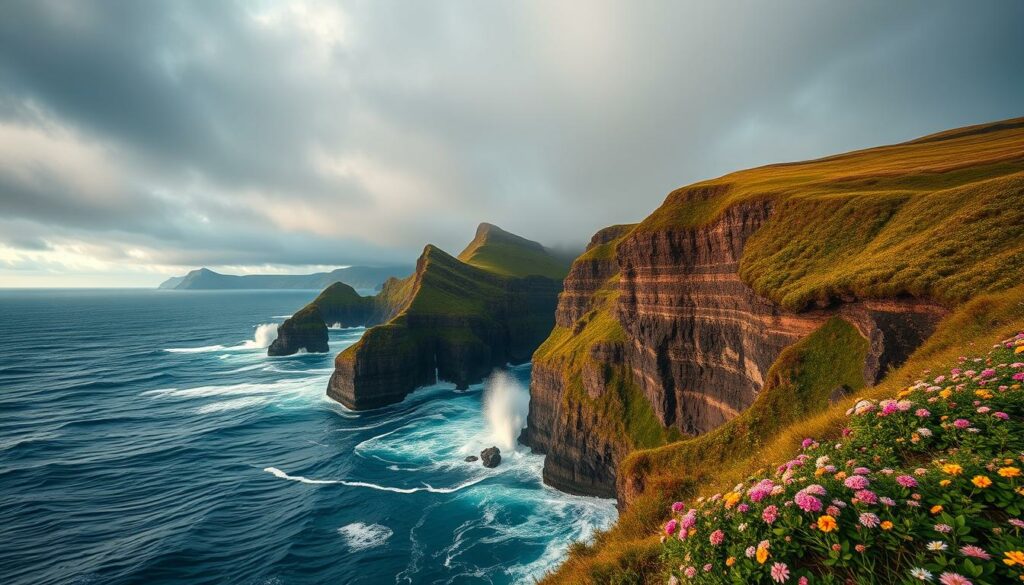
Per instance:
(146,437)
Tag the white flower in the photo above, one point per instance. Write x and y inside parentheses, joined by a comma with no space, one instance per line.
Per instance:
(937,545)
(921,574)
(742,526)
(924,432)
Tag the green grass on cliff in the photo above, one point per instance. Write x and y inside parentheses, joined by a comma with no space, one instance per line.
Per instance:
(500,252)
(630,551)
(938,218)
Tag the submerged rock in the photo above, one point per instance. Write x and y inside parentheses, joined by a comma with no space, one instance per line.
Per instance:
(472,458)
(491,457)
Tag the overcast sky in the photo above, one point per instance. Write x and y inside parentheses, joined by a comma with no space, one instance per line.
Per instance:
(141,139)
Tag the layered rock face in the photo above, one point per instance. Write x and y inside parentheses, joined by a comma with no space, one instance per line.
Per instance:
(698,341)
(701,341)
(456,321)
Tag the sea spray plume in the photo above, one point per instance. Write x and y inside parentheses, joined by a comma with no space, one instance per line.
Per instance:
(506,405)
(265,334)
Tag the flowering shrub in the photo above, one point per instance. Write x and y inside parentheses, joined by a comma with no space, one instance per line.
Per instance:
(924,487)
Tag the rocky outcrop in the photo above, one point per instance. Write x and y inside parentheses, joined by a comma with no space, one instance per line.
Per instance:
(456,320)
(490,457)
(696,341)
(305,330)
(339,305)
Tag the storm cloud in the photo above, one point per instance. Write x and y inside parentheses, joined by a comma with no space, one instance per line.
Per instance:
(140,139)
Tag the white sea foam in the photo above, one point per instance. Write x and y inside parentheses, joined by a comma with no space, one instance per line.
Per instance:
(506,406)
(426,487)
(234,404)
(203,349)
(265,334)
(359,536)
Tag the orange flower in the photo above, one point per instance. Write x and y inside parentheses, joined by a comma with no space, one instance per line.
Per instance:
(944,482)
(1009,471)
(840,475)
(730,561)
(731,499)
(981,481)
(952,469)
(1014,557)
(936,509)
(827,523)
(886,525)
(762,554)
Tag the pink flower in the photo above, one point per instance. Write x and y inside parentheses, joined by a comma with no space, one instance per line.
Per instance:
(670,527)
(807,502)
(806,443)
(954,579)
(690,572)
(862,471)
(866,496)
(677,507)
(717,537)
(943,528)
(780,572)
(689,520)
(707,568)
(922,412)
(988,373)
(961,423)
(815,489)
(1017,522)
(1001,415)
(856,482)
(869,520)
(906,481)
(770,514)
(975,551)
(1019,376)
(802,581)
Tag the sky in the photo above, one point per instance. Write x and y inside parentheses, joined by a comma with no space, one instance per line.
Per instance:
(139,140)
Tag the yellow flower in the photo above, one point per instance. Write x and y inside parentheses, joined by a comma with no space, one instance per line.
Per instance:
(983,394)
(731,499)
(946,393)
(944,482)
(1020,349)
(827,523)
(952,469)
(762,554)
(820,472)
(936,509)
(886,525)
(981,481)
(1014,557)
(1020,491)
(730,561)
(1009,471)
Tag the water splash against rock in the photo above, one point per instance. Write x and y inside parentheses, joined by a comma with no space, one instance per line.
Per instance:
(506,405)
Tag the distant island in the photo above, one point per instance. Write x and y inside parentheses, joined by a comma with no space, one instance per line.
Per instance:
(358,277)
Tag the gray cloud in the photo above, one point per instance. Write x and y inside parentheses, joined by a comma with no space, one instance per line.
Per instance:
(151,136)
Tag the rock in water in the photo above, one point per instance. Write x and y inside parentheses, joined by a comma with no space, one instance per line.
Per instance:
(304,330)
(472,458)
(491,457)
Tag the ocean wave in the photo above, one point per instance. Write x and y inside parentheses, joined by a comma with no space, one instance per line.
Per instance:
(231,404)
(360,536)
(202,349)
(426,487)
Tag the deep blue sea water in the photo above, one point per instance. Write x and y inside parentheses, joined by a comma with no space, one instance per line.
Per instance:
(146,437)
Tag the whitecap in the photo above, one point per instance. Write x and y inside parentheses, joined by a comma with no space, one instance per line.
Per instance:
(203,349)
(360,536)
(426,487)
(231,404)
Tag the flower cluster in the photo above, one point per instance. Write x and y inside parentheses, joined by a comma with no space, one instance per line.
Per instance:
(924,487)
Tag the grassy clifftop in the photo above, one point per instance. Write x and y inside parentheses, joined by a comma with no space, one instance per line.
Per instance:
(497,251)
(938,217)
